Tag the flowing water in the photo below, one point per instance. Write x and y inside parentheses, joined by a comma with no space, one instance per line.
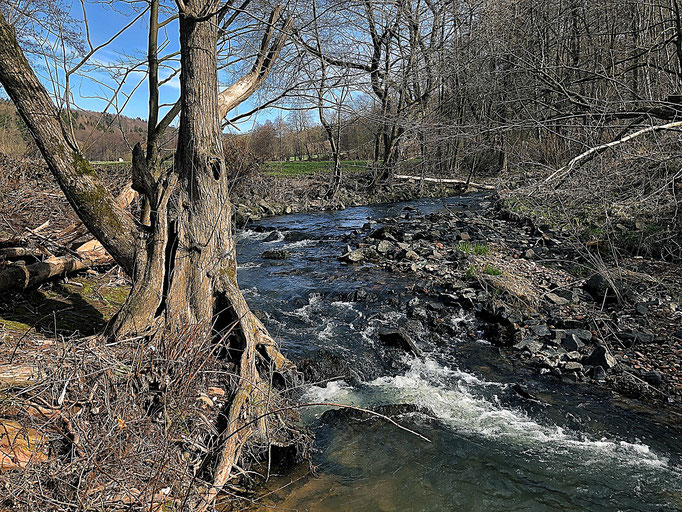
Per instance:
(575,448)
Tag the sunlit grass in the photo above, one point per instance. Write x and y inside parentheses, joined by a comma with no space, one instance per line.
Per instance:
(307,167)
(473,248)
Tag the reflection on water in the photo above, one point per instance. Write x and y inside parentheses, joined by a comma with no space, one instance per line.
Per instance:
(490,450)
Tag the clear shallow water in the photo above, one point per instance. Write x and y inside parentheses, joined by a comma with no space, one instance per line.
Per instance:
(575,449)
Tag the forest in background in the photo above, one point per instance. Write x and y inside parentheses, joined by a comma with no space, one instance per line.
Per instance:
(514,90)
(567,112)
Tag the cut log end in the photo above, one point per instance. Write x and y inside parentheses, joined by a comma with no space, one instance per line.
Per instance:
(20,446)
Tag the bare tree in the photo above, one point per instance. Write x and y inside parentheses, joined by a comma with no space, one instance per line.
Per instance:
(180,254)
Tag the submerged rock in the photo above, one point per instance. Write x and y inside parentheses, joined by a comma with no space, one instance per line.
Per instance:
(272,237)
(276,254)
(523,392)
(334,416)
(295,236)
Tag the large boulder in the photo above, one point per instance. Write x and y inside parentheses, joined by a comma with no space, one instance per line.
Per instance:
(600,356)
(400,339)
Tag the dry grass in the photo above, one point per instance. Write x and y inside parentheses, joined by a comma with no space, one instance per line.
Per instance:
(627,201)
(514,280)
(131,425)
(30,196)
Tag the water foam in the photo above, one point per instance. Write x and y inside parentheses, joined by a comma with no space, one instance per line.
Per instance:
(455,397)
(249,264)
(337,391)
(249,234)
(300,243)
(470,406)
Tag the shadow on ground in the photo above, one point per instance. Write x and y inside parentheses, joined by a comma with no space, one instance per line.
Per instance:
(78,307)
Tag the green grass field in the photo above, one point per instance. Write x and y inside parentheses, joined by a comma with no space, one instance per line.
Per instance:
(294,169)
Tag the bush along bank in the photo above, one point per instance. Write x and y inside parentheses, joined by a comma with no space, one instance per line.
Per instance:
(540,296)
(271,196)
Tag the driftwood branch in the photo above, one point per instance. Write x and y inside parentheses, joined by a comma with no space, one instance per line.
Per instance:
(592,152)
(445,181)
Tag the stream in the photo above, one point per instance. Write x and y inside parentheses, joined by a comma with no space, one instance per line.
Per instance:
(575,448)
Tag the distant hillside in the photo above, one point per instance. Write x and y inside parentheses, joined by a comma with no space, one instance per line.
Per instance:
(103,137)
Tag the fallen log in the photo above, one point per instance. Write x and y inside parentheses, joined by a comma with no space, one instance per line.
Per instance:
(11,253)
(17,376)
(445,181)
(19,276)
(23,277)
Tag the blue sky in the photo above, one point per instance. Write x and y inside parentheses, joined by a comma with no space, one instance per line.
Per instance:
(91,90)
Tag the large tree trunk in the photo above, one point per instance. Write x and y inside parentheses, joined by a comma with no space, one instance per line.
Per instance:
(187,266)
(183,262)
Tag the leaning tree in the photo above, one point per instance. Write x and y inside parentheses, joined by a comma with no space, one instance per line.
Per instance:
(180,252)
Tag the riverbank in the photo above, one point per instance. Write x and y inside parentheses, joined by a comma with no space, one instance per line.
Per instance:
(540,296)
(478,401)
(268,196)
(29,195)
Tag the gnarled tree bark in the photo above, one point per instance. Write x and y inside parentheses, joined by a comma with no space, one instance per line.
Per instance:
(181,256)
